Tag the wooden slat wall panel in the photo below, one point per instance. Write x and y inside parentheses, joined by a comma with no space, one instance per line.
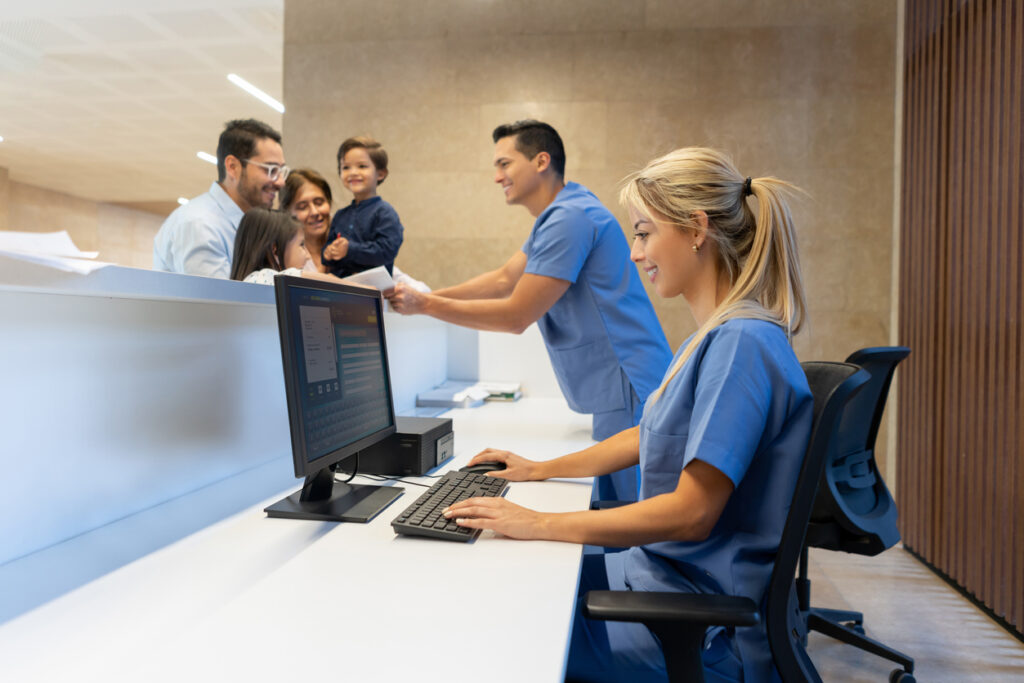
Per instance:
(961,413)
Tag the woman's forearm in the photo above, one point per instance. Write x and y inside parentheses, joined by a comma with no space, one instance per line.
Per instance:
(611,455)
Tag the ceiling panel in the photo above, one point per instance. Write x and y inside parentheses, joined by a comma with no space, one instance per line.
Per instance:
(110,100)
(84,62)
(115,29)
(168,59)
(199,25)
(37,34)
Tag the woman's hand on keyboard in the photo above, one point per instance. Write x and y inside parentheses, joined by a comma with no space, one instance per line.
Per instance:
(498,514)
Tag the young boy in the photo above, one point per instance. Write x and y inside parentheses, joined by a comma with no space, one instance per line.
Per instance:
(366,233)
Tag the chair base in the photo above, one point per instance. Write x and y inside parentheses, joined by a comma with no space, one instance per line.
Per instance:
(824,621)
(841,616)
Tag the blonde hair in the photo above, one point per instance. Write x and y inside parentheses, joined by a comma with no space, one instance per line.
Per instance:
(758,253)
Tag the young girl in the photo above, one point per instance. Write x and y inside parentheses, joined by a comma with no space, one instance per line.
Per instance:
(720,442)
(267,243)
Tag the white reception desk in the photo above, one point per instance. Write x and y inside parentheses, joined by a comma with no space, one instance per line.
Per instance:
(144,429)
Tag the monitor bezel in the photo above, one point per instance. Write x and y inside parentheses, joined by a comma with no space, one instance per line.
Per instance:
(283,286)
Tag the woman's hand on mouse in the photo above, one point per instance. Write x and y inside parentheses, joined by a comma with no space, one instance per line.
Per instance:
(517,468)
(498,514)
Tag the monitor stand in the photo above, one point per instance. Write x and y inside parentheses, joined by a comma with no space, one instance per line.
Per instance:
(321,498)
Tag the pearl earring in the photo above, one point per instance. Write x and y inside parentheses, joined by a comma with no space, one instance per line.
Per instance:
(695,248)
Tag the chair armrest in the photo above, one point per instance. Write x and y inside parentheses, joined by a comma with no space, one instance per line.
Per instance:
(679,620)
(608,504)
(652,608)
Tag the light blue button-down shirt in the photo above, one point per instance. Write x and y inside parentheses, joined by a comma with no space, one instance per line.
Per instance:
(199,237)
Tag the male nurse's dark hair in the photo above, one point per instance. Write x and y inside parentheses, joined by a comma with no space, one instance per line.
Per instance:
(239,139)
(534,137)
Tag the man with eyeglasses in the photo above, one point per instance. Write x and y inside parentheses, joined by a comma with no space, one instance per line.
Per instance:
(199,237)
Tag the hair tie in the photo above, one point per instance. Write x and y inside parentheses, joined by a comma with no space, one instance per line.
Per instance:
(746,187)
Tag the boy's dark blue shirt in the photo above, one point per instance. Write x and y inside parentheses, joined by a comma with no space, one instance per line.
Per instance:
(374,235)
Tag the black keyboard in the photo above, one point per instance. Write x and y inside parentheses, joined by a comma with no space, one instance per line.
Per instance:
(424,518)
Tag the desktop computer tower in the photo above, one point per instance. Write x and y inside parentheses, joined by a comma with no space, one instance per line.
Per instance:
(418,445)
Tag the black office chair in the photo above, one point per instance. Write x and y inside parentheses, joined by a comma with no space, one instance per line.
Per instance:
(854,511)
(680,620)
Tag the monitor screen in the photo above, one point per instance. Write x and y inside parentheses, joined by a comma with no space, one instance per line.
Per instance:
(340,369)
(335,362)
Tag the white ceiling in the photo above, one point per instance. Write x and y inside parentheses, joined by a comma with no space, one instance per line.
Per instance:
(110,100)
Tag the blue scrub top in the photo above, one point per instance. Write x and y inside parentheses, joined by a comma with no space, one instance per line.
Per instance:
(604,325)
(741,404)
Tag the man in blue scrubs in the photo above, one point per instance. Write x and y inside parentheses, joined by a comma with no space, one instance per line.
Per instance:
(573,277)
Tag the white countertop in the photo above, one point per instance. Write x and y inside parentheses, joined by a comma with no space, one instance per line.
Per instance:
(251,598)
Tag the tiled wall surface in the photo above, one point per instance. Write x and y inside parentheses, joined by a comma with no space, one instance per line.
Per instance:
(121,235)
(802,90)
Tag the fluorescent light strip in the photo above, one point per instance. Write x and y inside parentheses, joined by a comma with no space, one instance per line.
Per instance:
(182,201)
(256,92)
(207,157)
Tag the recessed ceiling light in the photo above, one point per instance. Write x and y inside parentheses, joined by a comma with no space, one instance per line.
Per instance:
(207,157)
(182,201)
(1,138)
(256,92)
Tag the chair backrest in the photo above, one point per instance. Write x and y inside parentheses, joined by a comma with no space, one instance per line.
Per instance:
(833,385)
(854,510)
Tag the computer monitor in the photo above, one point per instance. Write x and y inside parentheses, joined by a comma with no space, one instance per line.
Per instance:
(339,394)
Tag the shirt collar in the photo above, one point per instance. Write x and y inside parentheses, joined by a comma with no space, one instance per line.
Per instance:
(226,203)
(366,202)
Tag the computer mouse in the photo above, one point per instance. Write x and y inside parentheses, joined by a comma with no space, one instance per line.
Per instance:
(483,467)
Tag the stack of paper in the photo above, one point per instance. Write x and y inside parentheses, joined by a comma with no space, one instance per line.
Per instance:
(502,391)
(453,394)
(53,249)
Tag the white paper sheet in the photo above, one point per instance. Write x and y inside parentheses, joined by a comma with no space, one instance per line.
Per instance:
(53,249)
(375,277)
(49,243)
(68,265)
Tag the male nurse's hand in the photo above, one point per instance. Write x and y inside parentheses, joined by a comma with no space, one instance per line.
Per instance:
(337,249)
(406,300)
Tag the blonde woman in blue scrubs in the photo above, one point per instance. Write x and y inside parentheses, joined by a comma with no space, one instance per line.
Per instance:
(721,440)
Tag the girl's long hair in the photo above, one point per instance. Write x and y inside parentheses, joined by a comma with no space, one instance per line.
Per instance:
(261,240)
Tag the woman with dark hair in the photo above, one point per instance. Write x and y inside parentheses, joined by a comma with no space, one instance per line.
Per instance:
(306,195)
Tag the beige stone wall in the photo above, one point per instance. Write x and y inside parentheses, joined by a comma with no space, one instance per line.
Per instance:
(802,90)
(121,235)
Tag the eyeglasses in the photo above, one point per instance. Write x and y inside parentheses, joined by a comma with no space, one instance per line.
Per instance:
(274,171)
